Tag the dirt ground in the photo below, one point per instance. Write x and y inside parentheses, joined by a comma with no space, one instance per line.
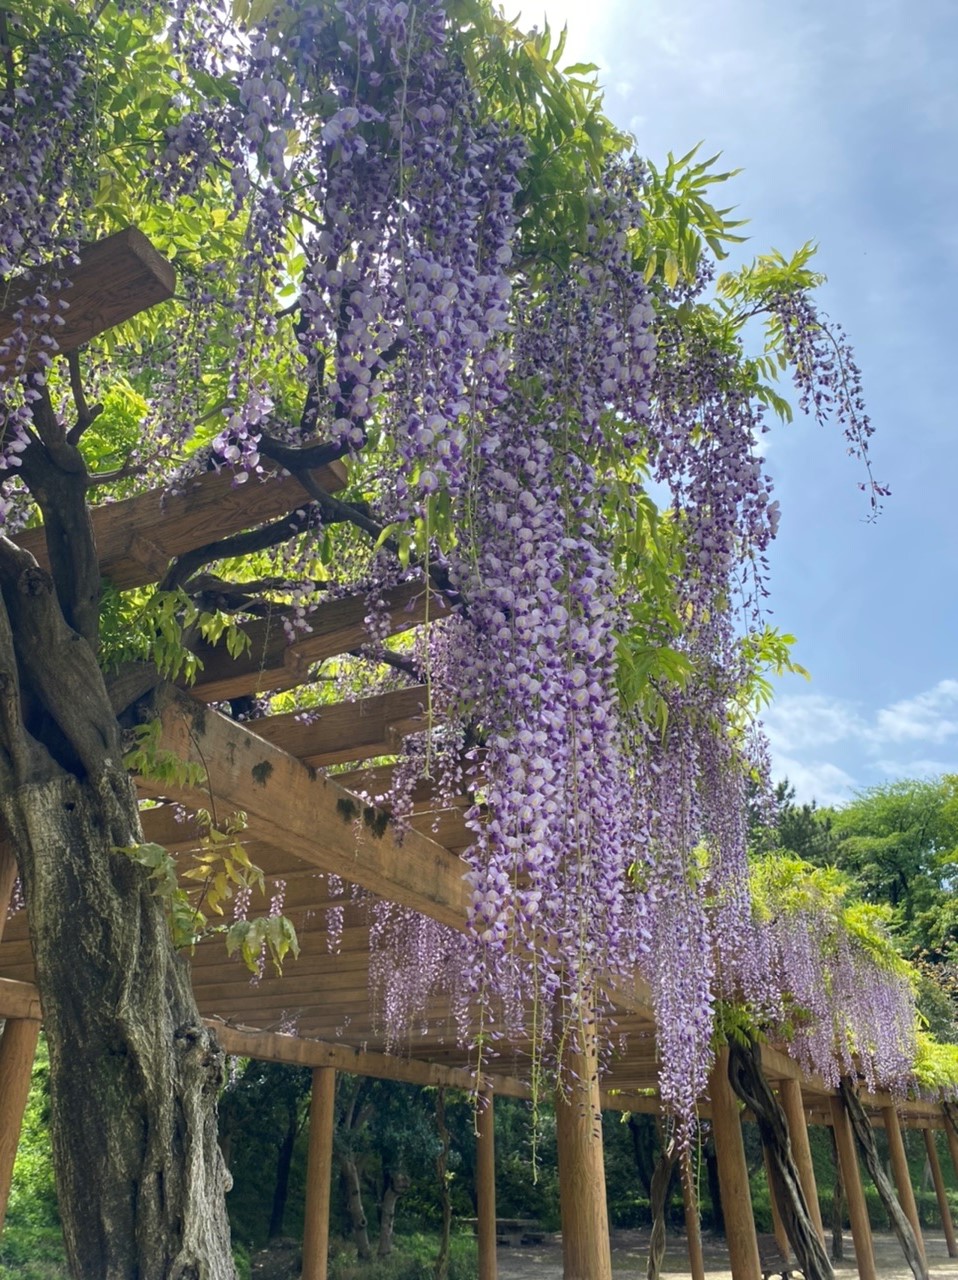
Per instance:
(629,1254)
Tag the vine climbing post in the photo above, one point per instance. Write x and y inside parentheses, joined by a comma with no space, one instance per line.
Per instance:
(319,1173)
(774,1196)
(854,1195)
(586,1252)
(486,1184)
(790,1093)
(944,1210)
(18,1045)
(733,1173)
(899,1168)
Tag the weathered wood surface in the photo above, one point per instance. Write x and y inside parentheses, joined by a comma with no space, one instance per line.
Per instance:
(18,1045)
(854,1194)
(116,279)
(19,1000)
(138,538)
(303,1052)
(733,1173)
(273,663)
(311,817)
(319,1174)
(346,731)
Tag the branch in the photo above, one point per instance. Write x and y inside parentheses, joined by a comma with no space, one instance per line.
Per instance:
(56,665)
(55,474)
(22,759)
(240,544)
(304,458)
(8,64)
(85,415)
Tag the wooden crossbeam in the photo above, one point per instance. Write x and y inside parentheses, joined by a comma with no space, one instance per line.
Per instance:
(300,1051)
(116,279)
(311,817)
(18,999)
(346,731)
(136,539)
(272,662)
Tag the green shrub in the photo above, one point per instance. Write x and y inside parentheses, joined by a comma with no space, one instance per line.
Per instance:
(31,1252)
(414,1258)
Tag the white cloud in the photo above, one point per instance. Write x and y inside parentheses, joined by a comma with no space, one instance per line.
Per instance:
(879,746)
(928,717)
(821,781)
(800,721)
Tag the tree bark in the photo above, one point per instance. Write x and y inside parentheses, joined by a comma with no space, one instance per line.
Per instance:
(284,1162)
(748,1081)
(866,1145)
(397,1184)
(658,1200)
(134,1075)
(354,1200)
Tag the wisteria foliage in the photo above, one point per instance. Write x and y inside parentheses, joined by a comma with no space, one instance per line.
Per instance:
(507,409)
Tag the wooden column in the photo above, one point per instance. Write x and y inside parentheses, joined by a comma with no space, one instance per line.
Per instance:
(319,1174)
(18,1047)
(778,1226)
(790,1094)
(854,1195)
(902,1176)
(946,1223)
(486,1185)
(586,1252)
(952,1137)
(8,876)
(733,1174)
(693,1232)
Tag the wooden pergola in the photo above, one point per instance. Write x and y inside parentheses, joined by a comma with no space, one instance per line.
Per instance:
(305,826)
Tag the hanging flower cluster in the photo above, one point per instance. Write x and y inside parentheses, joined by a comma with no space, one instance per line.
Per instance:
(848,1001)
(44,128)
(350,149)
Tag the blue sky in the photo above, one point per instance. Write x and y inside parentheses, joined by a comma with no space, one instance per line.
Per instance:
(844,118)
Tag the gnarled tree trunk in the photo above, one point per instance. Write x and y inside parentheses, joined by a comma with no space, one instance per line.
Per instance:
(134,1075)
(397,1184)
(662,1177)
(354,1200)
(866,1145)
(748,1081)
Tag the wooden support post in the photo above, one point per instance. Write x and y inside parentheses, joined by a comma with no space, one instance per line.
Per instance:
(946,1223)
(486,1184)
(8,877)
(899,1168)
(733,1174)
(693,1232)
(18,1047)
(952,1137)
(319,1174)
(778,1226)
(790,1094)
(586,1251)
(854,1195)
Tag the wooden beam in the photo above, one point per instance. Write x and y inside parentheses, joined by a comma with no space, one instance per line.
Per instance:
(944,1209)
(309,816)
(733,1174)
(303,1052)
(486,1184)
(345,731)
(854,1195)
(137,538)
(272,662)
(19,1000)
(18,1046)
(116,278)
(319,1174)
